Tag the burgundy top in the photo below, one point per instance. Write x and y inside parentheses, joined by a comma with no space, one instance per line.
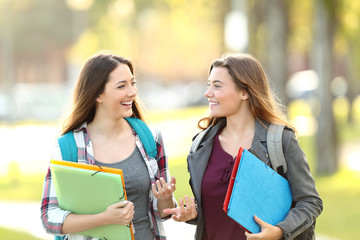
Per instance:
(213,190)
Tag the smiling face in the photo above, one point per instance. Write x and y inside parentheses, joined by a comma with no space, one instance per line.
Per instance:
(119,94)
(225,98)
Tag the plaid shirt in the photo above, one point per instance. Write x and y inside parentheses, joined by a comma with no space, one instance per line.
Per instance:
(52,216)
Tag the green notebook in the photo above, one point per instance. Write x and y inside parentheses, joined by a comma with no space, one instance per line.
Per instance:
(86,191)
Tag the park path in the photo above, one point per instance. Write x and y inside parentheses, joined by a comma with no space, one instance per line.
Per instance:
(25,216)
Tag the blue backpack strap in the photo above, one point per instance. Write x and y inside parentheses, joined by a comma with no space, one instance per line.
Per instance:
(69,153)
(145,135)
(68,147)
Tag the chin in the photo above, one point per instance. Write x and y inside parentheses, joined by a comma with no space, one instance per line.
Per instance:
(215,115)
(127,114)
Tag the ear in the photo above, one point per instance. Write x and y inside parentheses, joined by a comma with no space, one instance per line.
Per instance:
(99,99)
(244,95)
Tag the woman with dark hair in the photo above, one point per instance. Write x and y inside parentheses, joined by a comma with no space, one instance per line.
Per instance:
(104,95)
(241,107)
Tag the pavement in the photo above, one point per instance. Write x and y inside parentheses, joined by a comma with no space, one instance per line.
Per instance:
(25,216)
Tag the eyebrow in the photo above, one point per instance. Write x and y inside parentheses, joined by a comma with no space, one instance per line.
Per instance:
(215,81)
(124,81)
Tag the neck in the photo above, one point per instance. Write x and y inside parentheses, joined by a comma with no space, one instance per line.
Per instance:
(107,126)
(239,126)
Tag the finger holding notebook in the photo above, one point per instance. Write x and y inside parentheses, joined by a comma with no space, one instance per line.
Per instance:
(272,232)
(119,213)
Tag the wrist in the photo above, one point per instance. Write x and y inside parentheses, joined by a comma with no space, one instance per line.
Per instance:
(102,219)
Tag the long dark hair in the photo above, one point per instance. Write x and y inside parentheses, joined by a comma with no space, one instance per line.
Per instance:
(248,74)
(90,84)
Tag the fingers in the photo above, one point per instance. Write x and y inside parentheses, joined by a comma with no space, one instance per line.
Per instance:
(180,212)
(162,190)
(192,208)
(120,213)
(186,213)
(172,211)
(173,181)
(122,204)
(260,222)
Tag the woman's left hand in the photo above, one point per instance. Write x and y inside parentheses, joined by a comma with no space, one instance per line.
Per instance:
(268,231)
(164,191)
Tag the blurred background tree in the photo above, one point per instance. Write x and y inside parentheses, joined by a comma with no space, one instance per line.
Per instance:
(172,43)
(309,50)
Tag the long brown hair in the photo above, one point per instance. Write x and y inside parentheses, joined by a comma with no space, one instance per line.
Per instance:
(248,74)
(90,84)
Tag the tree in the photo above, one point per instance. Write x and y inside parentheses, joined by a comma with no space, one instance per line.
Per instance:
(277,35)
(323,63)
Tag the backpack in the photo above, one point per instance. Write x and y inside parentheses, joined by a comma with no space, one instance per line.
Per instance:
(277,160)
(69,150)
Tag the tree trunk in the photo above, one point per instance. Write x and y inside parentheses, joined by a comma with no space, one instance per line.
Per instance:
(276,20)
(326,139)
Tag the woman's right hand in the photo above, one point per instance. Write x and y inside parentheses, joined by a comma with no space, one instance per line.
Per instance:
(119,213)
(182,213)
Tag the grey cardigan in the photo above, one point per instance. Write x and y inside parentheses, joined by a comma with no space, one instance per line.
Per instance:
(308,203)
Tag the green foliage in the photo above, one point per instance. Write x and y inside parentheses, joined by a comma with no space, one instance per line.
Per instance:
(7,234)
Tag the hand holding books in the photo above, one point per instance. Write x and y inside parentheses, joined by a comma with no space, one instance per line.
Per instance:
(119,213)
(256,189)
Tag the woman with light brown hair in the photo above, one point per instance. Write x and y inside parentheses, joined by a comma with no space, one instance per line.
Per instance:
(104,96)
(241,108)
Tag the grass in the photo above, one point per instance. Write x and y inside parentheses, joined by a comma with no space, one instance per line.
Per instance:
(341,215)
(7,234)
(21,187)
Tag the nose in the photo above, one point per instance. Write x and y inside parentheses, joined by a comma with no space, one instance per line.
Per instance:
(208,93)
(132,91)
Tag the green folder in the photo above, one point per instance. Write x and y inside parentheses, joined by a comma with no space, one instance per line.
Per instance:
(90,191)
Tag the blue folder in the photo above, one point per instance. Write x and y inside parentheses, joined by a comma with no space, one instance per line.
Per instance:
(257,190)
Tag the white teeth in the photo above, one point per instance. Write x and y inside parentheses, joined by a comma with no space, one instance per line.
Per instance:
(127,103)
(213,103)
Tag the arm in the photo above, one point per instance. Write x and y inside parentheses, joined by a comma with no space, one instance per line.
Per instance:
(164,187)
(164,195)
(308,204)
(52,216)
(118,213)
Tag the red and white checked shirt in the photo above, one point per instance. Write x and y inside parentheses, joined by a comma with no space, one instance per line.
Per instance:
(52,216)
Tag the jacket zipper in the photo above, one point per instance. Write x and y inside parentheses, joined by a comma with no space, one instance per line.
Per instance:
(297,229)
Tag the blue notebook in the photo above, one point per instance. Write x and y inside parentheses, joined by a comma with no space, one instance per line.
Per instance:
(256,189)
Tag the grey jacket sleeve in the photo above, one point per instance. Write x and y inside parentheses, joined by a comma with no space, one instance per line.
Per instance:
(308,204)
